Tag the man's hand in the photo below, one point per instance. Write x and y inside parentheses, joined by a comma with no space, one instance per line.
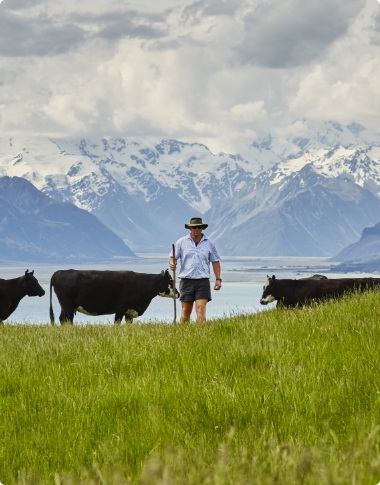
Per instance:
(172,263)
(218,281)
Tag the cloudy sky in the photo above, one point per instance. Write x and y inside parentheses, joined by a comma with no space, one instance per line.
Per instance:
(220,72)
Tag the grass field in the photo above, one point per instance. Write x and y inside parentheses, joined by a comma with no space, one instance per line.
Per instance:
(280,397)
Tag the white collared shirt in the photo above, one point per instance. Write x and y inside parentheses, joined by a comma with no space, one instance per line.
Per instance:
(195,260)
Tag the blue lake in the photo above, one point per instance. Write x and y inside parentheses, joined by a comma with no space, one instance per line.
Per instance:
(243,279)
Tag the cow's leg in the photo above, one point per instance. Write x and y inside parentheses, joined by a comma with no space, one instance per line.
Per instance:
(119,316)
(66,316)
(67,309)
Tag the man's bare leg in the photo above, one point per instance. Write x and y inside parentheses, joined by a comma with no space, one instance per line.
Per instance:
(200,308)
(187,308)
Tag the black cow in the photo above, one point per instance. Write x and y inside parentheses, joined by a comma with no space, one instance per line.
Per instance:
(123,293)
(13,291)
(291,293)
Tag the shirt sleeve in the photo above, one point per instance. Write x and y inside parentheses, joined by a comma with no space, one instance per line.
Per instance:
(214,255)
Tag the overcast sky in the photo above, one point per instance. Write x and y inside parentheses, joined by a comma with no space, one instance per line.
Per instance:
(220,72)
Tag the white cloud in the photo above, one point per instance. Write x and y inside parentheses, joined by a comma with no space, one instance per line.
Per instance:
(345,85)
(247,112)
(213,71)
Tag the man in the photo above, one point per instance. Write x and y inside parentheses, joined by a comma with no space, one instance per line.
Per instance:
(195,252)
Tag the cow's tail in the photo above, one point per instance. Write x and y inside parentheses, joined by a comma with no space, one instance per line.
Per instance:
(51,304)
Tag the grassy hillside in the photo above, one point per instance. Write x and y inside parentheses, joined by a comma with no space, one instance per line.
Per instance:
(284,396)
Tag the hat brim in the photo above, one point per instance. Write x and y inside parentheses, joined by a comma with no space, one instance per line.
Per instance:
(189,226)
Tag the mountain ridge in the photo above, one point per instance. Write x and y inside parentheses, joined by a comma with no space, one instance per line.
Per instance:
(146,191)
(309,215)
(368,246)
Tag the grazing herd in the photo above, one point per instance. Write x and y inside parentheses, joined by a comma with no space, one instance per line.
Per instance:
(127,294)
(124,293)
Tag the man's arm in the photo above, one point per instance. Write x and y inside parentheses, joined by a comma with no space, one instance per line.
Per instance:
(217,271)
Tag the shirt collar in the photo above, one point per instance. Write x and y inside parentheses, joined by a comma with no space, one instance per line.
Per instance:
(204,238)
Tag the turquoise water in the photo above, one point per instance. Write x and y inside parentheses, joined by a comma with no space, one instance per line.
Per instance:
(243,279)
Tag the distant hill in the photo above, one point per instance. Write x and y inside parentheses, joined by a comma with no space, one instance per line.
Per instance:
(34,227)
(367,246)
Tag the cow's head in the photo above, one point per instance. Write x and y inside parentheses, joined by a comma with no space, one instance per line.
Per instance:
(167,286)
(31,285)
(269,291)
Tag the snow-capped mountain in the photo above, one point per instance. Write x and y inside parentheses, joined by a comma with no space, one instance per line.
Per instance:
(305,135)
(145,191)
(332,152)
(304,214)
(314,202)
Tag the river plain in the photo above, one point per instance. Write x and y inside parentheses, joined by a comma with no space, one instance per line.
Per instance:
(243,280)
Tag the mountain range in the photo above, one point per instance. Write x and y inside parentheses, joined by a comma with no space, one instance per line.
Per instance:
(306,214)
(34,227)
(144,193)
(308,190)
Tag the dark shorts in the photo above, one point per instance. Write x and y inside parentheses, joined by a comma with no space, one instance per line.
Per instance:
(191,290)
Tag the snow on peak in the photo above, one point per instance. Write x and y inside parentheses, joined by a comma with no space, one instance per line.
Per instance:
(84,171)
(75,168)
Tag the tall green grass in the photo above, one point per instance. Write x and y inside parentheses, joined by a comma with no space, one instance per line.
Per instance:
(284,396)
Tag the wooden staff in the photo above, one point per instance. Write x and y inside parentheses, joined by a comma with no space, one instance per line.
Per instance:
(174,288)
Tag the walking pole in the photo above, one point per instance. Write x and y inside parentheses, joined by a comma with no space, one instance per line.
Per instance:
(174,288)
